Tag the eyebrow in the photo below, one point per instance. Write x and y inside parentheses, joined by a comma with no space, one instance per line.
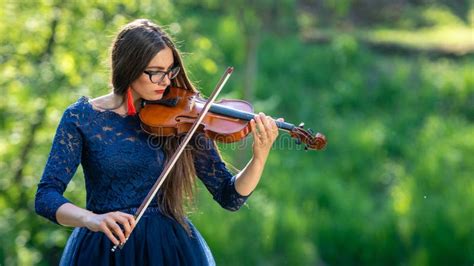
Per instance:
(159,67)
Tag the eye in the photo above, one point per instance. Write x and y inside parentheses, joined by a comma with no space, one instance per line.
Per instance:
(156,72)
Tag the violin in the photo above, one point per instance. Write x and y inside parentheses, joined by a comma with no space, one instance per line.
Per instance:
(227,120)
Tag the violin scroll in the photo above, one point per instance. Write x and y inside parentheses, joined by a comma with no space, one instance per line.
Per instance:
(312,142)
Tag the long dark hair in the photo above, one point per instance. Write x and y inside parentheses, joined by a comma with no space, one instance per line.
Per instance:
(134,47)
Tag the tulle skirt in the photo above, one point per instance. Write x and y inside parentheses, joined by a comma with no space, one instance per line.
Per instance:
(156,240)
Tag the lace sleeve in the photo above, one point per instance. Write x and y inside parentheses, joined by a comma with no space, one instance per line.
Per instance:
(214,174)
(61,165)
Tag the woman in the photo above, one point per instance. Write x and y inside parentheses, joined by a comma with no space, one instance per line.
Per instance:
(120,165)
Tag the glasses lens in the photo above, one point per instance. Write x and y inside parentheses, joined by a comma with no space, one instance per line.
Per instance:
(174,72)
(157,78)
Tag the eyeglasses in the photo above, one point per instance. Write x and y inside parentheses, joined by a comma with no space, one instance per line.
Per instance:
(158,76)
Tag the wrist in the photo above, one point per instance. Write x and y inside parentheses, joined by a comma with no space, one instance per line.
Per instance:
(86,217)
(259,160)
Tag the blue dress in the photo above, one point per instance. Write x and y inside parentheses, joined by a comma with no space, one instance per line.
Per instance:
(121,163)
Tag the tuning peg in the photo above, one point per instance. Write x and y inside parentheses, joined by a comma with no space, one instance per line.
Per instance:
(301,125)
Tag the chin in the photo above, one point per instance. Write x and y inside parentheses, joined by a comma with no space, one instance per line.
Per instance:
(153,97)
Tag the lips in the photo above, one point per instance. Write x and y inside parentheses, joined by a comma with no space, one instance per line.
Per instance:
(160,91)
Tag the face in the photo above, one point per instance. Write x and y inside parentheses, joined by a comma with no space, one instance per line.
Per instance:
(143,87)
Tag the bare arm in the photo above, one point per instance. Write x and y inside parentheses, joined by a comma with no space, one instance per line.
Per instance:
(265,131)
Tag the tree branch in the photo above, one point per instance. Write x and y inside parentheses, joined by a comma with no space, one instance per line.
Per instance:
(39,119)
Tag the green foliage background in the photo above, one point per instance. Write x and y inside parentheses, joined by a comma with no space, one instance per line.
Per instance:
(395,185)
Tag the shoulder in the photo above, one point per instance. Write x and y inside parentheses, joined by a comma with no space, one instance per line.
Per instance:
(102,102)
(78,112)
(80,105)
(108,102)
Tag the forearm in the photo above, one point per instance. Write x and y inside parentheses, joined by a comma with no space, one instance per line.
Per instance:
(264,131)
(71,215)
(248,178)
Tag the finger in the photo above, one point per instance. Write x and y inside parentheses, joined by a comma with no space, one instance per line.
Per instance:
(126,226)
(253,127)
(278,120)
(109,234)
(270,125)
(274,127)
(116,230)
(261,128)
(270,131)
(275,124)
(131,220)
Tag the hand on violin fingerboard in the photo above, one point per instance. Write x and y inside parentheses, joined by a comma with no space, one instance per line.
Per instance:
(265,132)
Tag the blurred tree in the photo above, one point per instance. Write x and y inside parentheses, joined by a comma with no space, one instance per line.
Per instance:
(394,186)
(371,13)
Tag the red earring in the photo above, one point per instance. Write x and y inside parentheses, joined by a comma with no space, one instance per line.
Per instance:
(130,106)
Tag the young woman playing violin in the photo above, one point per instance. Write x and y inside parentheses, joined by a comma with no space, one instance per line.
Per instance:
(120,166)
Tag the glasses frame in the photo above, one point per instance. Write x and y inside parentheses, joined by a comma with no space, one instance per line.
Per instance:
(164,73)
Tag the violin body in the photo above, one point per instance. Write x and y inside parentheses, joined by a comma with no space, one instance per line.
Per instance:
(171,118)
(227,121)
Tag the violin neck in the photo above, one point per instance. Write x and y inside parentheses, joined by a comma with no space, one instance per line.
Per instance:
(230,112)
